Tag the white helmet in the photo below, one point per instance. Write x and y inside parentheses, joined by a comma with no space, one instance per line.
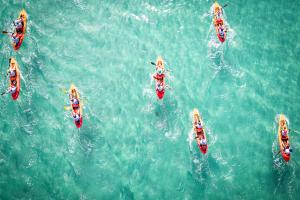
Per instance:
(287,151)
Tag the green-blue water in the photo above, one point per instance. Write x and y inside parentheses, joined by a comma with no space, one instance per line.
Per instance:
(132,146)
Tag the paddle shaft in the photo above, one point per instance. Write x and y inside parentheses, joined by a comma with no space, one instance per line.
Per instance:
(6,32)
(296,131)
(278,153)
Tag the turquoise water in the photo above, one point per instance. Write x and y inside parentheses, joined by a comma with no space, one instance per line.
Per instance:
(132,146)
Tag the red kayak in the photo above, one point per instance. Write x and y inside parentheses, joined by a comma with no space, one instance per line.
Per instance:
(282,126)
(13,65)
(21,36)
(160,94)
(219,21)
(74,93)
(160,79)
(199,132)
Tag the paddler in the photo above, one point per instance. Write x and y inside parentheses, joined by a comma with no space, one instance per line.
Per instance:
(199,128)
(12,70)
(160,72)
(200,134)
(221,30)
(284,134)
(286,147)
(76,116)
(13,88)
(203,141)
(15,37)
(75,103)
(19,23)
(160,87)
(74,99)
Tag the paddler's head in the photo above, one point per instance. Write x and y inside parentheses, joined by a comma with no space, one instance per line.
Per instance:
(287,151)
(77,117)
(199,125)
(159,71)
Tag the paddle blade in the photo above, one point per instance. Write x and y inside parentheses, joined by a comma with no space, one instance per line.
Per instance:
(152,63)
(296,131)
(225,5)
(67,107)
(4,32)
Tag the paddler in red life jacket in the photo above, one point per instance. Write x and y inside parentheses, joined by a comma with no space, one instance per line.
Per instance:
(75,103)
(221,30)
(160,72)
(12,70)
(160,86)
(286,147)
(19,23)
(74,99)
(15,38)
(200,134)
(199,129)
(13,87)
(76,116)
(284,134)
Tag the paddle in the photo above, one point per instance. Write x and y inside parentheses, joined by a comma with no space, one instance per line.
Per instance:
(296,131)
(225,5)
(277,153)
(67,107)
(6,32)
(3,93)
(168,87)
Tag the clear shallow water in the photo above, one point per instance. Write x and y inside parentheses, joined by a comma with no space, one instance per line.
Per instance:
(131,145)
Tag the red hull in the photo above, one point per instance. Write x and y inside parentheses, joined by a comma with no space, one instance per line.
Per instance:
(20,43)
(78,124)
(222,39)
(15,95)
(203,149)
(160,95)
(285,156)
